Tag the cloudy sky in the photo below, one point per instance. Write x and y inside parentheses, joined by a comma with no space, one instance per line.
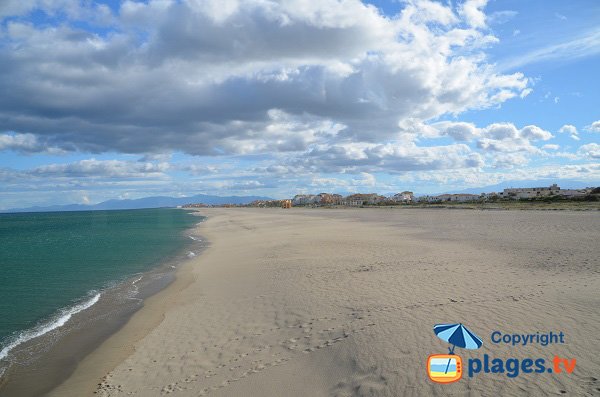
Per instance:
(126,99)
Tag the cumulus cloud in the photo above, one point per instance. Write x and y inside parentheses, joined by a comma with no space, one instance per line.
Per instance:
(535,133)
(571,130)
(390,157)
(551,146)
(459,131)
(26,143)
(510,160)
(594,127)
(591,150)
(506,137)
(496,137)
(102,168)
(502,131)
(206,77)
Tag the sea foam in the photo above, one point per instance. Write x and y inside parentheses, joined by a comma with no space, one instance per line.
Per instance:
(60,320)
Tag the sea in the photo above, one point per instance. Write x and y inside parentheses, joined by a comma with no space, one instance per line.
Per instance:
(54,266)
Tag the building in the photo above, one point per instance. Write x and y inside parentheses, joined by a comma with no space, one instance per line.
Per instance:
(305,199)
(194,205)
(404,197)
(530,192)
(574,193)
(286,203)
(370,198)
(328,198)
(459,198)
(427,199)
(351,202)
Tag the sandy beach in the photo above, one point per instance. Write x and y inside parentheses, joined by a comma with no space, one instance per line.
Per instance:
(318,302)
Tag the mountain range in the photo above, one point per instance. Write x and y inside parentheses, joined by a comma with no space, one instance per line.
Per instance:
(146,202)
(165,201)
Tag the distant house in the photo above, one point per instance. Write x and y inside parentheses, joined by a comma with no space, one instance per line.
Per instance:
(530,192)
(574,193)
(305,199)
(404,197)
(424,199)
(194,205)
(326,198)
(458,198)
(370,198)
(351,202)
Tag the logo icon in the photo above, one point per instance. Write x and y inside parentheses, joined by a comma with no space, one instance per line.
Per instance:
(448,368)
(444,368)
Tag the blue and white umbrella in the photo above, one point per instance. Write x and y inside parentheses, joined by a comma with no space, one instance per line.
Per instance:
(457,335)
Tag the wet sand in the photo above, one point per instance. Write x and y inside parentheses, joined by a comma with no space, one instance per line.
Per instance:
(37,366)
(342,303)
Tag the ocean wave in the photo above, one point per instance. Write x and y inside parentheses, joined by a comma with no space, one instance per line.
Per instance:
(191,254)
(60,320)
(195,238)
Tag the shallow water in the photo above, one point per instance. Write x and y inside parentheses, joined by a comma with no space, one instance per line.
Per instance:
(55,265)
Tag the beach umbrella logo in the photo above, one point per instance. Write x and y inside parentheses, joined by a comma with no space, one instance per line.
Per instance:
(447,368)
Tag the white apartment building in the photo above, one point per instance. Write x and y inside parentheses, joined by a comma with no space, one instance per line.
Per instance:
(530,192)
(404,197)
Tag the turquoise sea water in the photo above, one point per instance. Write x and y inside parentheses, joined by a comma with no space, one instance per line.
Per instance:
(55,264)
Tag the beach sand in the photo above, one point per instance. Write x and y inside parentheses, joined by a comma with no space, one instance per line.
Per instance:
(318,302)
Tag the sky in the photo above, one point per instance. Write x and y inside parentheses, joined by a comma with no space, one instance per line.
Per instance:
(129,99)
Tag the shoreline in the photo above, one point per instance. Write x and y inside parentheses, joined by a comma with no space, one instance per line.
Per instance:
(94,367)
(54,348)
(315,302)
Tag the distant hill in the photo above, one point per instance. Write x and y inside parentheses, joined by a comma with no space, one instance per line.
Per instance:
(146,202)
(563,183)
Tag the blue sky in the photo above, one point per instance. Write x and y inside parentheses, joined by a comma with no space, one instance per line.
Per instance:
(111,99)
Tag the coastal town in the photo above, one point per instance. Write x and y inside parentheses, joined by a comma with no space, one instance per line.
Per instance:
(547,193)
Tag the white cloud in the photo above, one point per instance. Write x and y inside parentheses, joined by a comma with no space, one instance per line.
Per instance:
(390,157)
(26,143)
(551,146)
(472,11)
(571,130)
(535,133)
(591,150)
(594,127)
(511,160)
(501,17)
(505,137)
(586,45)
(500,131)
(560,16)
(366,179)
(459,131)
(102,168)
(568,129)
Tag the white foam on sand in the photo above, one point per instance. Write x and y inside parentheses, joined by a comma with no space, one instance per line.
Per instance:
(195,238)
(57,322)
(191,254)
